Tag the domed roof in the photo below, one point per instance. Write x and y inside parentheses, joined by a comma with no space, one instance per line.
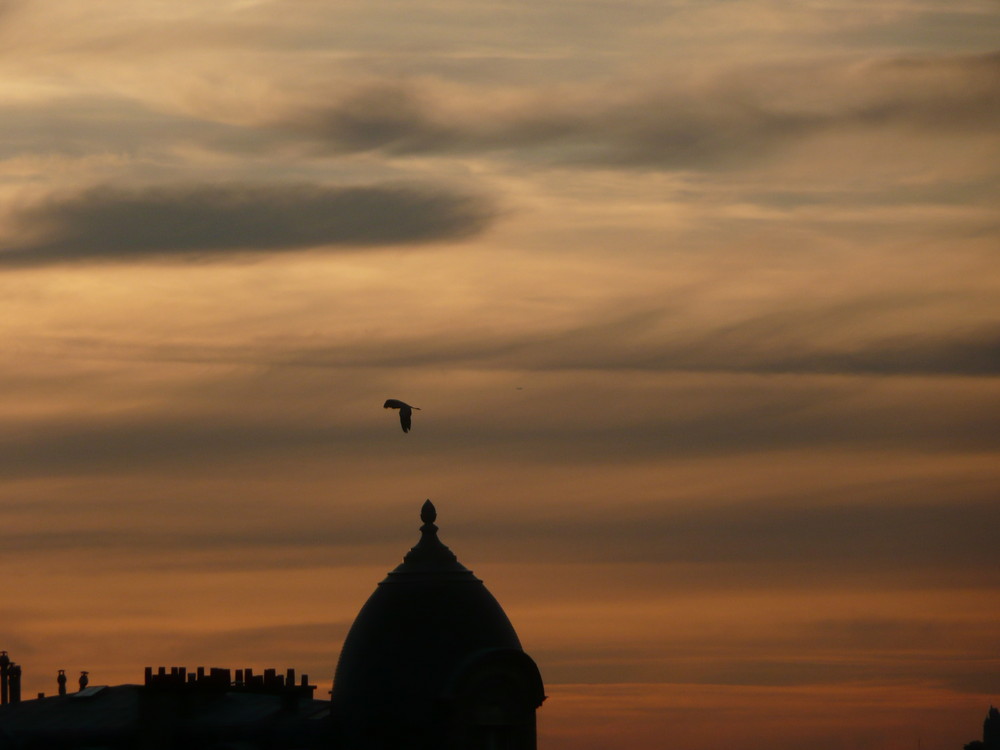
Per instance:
(417,631)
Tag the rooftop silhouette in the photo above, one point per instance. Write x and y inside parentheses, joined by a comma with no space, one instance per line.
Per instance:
(431,663)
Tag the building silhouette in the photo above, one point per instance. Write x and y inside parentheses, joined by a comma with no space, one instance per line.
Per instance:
(431,663)
(991,733)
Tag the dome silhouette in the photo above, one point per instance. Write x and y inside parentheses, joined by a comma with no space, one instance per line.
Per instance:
(432,661)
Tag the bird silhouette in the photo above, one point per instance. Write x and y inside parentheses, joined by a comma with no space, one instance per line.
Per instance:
(405,411)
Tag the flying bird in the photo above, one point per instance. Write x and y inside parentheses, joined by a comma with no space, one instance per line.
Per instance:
(405,411)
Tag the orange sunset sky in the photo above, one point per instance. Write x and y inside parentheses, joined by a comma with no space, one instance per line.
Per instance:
(700,300)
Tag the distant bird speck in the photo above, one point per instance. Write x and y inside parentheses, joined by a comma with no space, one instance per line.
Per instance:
(405,411)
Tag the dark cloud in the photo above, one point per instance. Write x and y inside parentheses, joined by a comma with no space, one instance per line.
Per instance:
(670,131)
(75,446)
(768,344)
(939,93)
(604,418)
(967,192)
(723,124)
(799,341)
(389,116)
(860,634)
(737,117)
(972,354)
(791,341)
(772,343)
(113,224)
(943,539)
(933,530)
(875,649)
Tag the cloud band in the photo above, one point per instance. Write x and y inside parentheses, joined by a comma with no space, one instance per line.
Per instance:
(106,223)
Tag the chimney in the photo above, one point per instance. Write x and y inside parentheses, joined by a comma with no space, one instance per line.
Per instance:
(4,677)
(15,683)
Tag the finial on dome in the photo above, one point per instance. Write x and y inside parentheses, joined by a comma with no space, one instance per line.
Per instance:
(429,556)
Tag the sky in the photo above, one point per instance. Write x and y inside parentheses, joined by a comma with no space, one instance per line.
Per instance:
(700,300)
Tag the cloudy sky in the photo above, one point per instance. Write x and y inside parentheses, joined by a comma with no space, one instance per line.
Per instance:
(700,300)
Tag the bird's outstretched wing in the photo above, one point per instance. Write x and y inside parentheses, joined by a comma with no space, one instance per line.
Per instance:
(405,411)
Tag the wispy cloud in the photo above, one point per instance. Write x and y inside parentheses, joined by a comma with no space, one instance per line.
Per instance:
(736,117)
